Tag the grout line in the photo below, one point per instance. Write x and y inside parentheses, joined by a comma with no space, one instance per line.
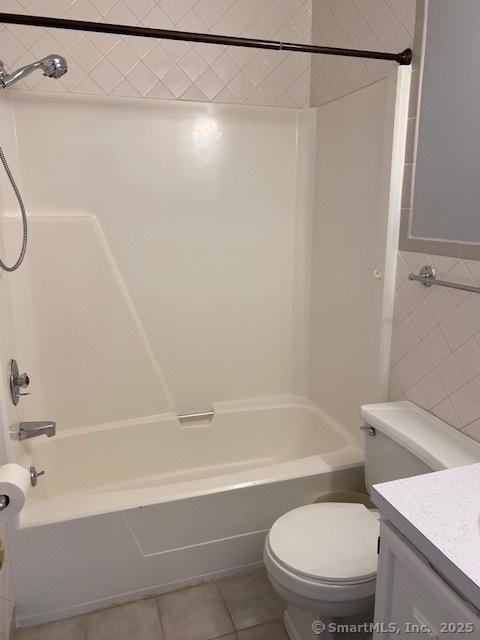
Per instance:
(222,596)
(162,630)
(261,624)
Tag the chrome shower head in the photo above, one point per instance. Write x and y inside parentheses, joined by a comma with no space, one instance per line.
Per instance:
(53,66)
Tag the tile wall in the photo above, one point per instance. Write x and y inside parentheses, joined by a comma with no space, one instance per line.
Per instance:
(125,66)
(436,342)
(435,359)
(104,64)
(379,25)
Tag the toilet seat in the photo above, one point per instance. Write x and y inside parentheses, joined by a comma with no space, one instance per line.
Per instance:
(329,543)
(323,558)
(315,595)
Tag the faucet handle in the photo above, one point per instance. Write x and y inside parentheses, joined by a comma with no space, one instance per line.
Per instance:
(17,381)
(22,381)
(34,475)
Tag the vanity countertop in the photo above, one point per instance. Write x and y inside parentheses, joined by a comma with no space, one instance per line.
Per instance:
(439,513)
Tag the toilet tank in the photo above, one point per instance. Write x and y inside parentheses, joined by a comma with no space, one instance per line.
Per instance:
(403,440)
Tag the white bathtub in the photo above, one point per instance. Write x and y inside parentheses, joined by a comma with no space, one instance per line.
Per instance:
(131,509)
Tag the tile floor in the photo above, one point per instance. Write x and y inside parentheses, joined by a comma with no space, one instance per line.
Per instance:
(237,608)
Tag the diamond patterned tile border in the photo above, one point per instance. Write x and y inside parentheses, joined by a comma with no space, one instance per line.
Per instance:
(105,64)
(435,359)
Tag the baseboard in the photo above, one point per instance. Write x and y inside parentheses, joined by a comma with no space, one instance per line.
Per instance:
(125,598)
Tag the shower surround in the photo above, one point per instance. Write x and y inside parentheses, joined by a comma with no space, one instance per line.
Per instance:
(173,298)
(143,299)
(239,302)
(438,369)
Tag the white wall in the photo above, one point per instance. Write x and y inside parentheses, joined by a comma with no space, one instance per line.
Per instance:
(201,212)
(357,212)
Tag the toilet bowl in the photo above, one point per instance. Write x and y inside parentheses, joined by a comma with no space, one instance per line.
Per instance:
(322,559)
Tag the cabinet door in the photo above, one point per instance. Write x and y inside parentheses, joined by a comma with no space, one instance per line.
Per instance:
(413,602)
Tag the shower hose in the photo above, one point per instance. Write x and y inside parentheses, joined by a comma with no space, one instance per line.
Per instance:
(24,216)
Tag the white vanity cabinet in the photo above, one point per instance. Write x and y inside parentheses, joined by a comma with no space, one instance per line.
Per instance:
(413,601)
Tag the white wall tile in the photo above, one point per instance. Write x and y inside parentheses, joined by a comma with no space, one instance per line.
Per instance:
(420,361)
(416,395)
(455,330)
(443,265)
(470,310)
(394,392)
(433,389)
(451,375)
(423,319)
(460,274)
(473,430)
(440,302)
(466,405)
(122,56)
(448,329)
(404,375)
(406,336)
(381,25)
(446,412)
(411,296)
(396,354)
(115,65)
(436,346)
(468,357)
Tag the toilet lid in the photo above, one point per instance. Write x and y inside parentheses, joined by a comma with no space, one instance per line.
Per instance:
(329,542)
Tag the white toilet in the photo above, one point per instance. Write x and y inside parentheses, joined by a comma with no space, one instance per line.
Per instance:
(322,558)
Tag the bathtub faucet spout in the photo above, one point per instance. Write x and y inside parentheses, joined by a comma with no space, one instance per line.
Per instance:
(25,430)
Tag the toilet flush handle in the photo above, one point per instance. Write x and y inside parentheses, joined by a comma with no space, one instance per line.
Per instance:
(371,431)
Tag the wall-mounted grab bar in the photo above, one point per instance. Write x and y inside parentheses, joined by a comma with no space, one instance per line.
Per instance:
(428,277)
(202,415)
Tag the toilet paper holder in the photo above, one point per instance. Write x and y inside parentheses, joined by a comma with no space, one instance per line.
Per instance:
(34,475)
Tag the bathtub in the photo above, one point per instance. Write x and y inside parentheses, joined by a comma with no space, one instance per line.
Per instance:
(136,508)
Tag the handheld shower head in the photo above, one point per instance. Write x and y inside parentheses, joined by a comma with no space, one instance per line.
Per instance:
(53,66)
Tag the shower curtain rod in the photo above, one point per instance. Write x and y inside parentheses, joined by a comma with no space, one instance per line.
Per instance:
(403,58)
